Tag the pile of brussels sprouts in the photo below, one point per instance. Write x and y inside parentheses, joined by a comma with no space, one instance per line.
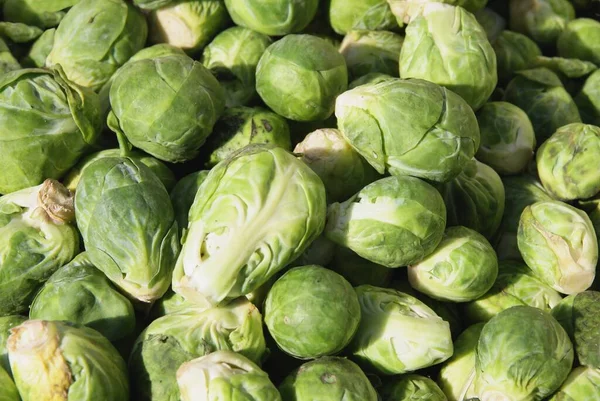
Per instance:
(299,200)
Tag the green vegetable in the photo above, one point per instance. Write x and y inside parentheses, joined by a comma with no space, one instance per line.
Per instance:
(7,323)
(492,23)
(183,195)
(357,270)
(371,51)
(40,49)
(542,20)
(588,100)
(375,15)
(581,40)
(514,52)
(9,390)
(412,388)
(582,384)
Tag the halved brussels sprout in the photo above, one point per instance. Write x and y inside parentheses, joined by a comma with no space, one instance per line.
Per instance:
(588,100)
(542,20)
(398,333)
(262,202)
(357,270)
(66,362)
(332,378)
(312,311)
(224,374)
(581,40)
(371,51)
(582,384)
(183,195)
(514,52)
(395,221)
(558,243)
(314,73)
(346,15)
(412,388)
(522,354)
(409,127)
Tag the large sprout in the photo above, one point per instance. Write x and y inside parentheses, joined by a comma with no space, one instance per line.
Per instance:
(346,15)
(581,40)
(409,127)
(398,333)
(37,237)
(395,221)
(264,203)
(558,242)
(542,20)
(371,51)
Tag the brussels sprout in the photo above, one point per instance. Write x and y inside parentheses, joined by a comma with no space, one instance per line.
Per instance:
(314,73)
(311,312)
(398,333)
(542,20)
(581,40)
(7,323)
(475,199)
(358,271)
(588,100)
(395,221)
(371,51)
(7,60)
(9,390)
(516,285)
(187,334)
(37,238)
(514,52)
(331,378)
(47,123)
(492,23)
(272,17)
(44,14)
(343,171)
(188,25)
(409,127)
(447,46)
(457,375)
(521,191)
(375,15)
(558,242)
(224,374)
(507,137)
(462,268)
(319,252)
(232,57)
(73,363)
(579,315)
(95,38)
(80,293)
(567,162)
(522,354)
(540,93)
(242,126)
(40,50)
(128,226)
(262,202)
(176,102)
(183,195)
(582,384)
(371,78)
(412,388)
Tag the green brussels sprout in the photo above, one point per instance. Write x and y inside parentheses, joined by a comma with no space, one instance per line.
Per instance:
(314,73)
(516,285)
(588,100)
(371,78)
(462,268)
(522,354)
(47,124)
(507,137)
(187,334)
(447,46)
(578,314)
(241,126)
(80,293)
(374,15)
(457,374)
(232,57)
(558,243)
(331,379)
(227,375)
(475,199)
(128,226)
(95,38)
(514,52)
(183,195)
(520,192)
(540,93)
(272,17)
(582,384)
(567,162)
(9,390)
(580,39)
(492,23)
(188,25)
(542,20)
(37,238)
(398,333)
(343,171)
(357,270)
(73,363)
(262,202)
(7,323)
(43,14)
(409,127)
(395,221)
(412,388)
(319,252)
(7,61)
(40,49)
(179,102)
(371,51)
(312,311)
